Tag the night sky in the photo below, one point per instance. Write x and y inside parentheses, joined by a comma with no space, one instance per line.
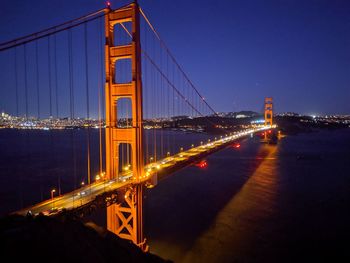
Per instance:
(235,52)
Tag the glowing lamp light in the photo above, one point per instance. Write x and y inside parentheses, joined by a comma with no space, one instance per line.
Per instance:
(202,164)
(237,145)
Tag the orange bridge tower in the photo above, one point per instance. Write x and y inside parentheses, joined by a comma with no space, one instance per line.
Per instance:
(126,218)
(268,111)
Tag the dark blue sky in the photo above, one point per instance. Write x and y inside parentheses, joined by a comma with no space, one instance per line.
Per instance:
(236,52)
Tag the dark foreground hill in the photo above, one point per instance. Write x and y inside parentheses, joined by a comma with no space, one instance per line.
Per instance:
(44,239)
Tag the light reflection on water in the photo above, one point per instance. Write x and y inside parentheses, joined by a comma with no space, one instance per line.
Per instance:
(218,236)
(228,232)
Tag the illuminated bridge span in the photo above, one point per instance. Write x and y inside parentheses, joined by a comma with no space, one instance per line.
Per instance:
(110,70)
(152,171)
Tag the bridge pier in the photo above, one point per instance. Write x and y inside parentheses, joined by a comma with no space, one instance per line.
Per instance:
(125,219)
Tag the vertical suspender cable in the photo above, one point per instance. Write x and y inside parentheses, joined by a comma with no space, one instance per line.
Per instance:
(175,120)
(99,91)
(56,88)
(146,92)
(26,79)
(49,68)
(87,103)
(154,107)
(71,105)
(161,105)
(168,104)
(52,150)
(102,19)
(37,77)
(56,105)
(20,196)
(26,98)
(16,82)
(71,88)
(38,105)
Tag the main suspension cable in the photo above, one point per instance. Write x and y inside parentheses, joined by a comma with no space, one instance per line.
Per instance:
(53,30)
(174,60)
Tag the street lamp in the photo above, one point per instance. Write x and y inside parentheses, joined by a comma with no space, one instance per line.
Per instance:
(127,167)
(52,191)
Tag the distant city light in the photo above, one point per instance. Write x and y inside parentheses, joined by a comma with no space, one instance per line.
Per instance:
(258,121)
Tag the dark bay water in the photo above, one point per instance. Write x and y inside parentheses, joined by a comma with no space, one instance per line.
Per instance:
(260,203)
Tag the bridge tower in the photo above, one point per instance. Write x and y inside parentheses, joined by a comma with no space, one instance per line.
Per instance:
(268,111)
(126,218)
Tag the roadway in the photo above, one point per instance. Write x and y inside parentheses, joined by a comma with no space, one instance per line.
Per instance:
(88,193)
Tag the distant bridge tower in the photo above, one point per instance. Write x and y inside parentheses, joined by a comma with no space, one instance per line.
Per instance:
(268,111)
(126,218)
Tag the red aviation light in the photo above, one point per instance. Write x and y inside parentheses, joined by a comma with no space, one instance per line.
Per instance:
(108,4)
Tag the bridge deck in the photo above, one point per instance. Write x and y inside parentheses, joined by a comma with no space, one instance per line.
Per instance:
(87,194)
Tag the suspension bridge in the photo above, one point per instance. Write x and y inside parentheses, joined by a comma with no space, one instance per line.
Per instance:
(111,76)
